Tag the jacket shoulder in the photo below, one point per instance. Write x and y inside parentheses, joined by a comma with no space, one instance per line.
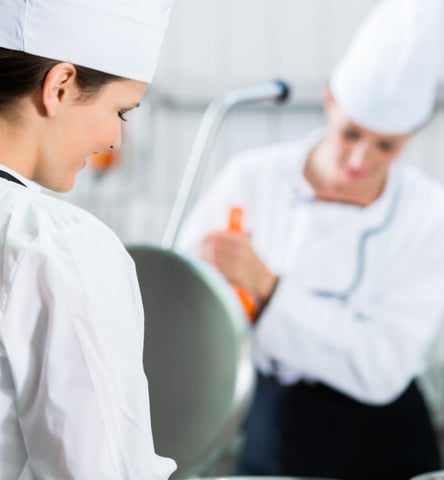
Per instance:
(424,191)
(32,218)
(421,212)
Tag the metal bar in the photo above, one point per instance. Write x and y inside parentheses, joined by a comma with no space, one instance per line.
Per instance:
(308,100)
(208,128)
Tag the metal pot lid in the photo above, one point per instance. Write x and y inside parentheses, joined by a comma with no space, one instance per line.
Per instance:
(260,478)
(430,476)
(196,357)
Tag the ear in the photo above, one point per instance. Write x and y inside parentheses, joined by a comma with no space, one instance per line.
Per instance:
(327,97)
(328,100)
(59,84)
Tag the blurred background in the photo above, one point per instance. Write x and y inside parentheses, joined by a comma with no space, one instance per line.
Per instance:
(213,46)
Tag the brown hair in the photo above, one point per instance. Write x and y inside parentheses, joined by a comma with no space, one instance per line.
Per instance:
(22,74)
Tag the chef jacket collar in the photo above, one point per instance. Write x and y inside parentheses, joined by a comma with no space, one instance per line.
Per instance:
(28,183)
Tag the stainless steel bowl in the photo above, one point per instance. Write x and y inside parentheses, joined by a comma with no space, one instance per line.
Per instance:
(430,476)
(260,478)
(196,356)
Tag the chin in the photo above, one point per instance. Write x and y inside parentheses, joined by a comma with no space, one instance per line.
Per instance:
(58,185)
(66,187)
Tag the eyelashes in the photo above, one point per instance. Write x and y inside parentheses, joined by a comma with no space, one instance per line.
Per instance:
(121,115)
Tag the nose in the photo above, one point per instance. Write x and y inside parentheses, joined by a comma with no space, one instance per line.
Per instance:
(359,155)
(116,142)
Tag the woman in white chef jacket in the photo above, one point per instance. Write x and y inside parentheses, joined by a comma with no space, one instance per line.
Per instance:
(73,394)
(345,256)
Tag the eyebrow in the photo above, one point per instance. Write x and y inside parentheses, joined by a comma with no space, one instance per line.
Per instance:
(387,142)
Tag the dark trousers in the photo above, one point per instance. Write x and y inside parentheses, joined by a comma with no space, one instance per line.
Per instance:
(312,430)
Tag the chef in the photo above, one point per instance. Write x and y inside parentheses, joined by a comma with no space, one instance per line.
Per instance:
(73,395)
(344,254)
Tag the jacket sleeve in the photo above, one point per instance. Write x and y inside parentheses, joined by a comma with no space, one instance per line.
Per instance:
(369,350)
(73,331)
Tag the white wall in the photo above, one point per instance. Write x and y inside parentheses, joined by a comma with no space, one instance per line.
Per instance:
(213,46)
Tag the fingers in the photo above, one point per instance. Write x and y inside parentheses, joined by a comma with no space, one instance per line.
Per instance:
(231,254)
(225,247)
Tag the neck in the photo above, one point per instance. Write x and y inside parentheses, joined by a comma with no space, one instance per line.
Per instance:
(16,149)
(329,183)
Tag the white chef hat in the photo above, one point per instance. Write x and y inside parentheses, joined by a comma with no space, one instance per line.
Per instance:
(121,37)
(387,79)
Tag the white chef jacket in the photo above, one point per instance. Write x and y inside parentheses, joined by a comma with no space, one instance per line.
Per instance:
(73,393)
(361,289)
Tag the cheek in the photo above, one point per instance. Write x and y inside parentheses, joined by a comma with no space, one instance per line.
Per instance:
(95,133)
(340,147)
(378,162)
(106,132)
(73,136)
(386,158)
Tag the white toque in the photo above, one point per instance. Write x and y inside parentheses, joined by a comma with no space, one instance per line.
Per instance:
(387,79)
(121,37)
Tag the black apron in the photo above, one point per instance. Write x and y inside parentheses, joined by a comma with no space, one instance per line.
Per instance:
(11,178)
(312,430)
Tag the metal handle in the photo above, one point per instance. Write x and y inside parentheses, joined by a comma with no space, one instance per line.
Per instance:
(213,117)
